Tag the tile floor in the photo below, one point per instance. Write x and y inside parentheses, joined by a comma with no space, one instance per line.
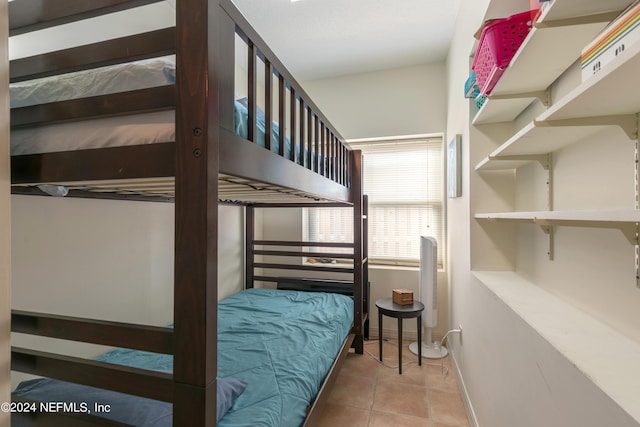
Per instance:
(367,393)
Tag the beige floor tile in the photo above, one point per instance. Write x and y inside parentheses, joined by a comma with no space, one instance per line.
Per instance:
(447,407)
(367,393)
(411,374)
(440,379)
(353,391)
(383,419)
(436,424)
(401,398)
(360,365)
(447,361)
(343,416)
(390,352)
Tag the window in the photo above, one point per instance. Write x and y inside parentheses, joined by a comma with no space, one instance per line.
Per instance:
(403,178)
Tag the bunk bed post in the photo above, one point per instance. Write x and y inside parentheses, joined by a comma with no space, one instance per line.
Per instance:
(358,250)
(252,77)
(292,125)
(249,237)
(365,256)
(205,44)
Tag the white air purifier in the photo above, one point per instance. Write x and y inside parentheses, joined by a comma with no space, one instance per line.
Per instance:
(429,297)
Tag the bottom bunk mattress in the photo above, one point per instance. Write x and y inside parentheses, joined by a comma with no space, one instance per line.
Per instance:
(277,345)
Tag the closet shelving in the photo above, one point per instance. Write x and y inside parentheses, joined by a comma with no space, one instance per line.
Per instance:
(605,100)
(598,102)
(552,45)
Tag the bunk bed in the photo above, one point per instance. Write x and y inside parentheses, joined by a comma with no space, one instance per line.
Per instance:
(212,157)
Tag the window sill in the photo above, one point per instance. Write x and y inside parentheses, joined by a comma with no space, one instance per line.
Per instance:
(371,266)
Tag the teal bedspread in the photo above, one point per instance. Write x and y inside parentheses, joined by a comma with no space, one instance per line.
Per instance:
(282,343)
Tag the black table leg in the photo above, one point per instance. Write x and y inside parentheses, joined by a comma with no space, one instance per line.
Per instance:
(380,333)
(420,340)
(400,345)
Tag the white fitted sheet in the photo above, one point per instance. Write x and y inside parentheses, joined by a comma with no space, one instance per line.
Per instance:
(138,129)
(135,129)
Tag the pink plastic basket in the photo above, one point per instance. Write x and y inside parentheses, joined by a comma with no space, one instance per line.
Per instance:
(499,42)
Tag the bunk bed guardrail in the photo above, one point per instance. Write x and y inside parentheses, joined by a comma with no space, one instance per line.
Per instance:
(311,141)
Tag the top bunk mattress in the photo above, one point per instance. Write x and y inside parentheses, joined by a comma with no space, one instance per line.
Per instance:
(136,129)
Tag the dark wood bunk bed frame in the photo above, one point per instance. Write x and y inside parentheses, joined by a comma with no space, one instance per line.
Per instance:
(207,163)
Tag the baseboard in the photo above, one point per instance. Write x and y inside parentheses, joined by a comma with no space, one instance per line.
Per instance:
(406,335)
(473,421)
(393,334)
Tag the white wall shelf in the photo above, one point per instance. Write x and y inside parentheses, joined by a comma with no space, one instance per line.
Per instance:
(610,92)
(625,220)
(550,48)
(535,139)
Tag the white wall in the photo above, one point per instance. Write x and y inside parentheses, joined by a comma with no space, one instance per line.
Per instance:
(230,250)
(96,258)
(399,101)
(511,374)
(105,27)
(5,221)
(107,259)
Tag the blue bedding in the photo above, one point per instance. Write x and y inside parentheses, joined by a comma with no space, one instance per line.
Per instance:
(281,343)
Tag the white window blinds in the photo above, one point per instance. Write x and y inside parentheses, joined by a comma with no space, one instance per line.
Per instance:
(404,181)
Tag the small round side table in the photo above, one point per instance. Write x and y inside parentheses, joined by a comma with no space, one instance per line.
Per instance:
(387,307)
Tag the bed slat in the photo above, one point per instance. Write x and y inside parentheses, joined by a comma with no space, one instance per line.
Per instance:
(136,101)
(304,267)
(123,379)
(110,52)
(293,125)
(34,191)
(129,162)
(304,254)
(32,15)
(305,244)
(281,113)
(268,104)
(316,143)
(138,337)
(304,146)
(252,99)
(310,145)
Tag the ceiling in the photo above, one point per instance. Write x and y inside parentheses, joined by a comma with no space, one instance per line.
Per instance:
(314,39)
(318,39)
